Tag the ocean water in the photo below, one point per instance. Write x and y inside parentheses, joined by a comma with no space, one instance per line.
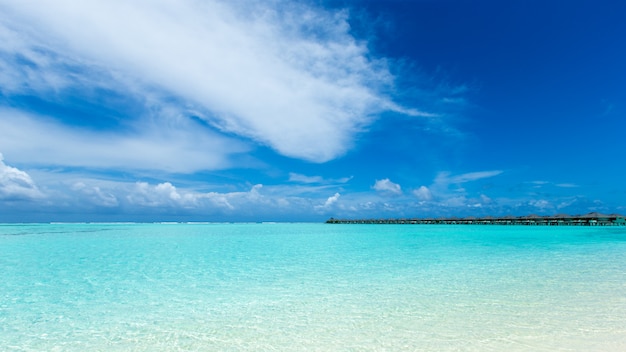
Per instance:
(311,287)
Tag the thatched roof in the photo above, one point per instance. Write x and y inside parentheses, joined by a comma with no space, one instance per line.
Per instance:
(531,216)
(561,216)
(595,215)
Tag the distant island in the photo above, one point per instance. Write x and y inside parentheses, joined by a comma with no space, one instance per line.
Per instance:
(591,219)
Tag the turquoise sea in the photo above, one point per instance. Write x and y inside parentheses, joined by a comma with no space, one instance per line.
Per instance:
(311,287)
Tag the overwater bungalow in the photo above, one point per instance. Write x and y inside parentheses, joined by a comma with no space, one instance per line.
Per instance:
(591,219)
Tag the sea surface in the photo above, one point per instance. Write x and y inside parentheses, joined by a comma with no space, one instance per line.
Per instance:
(311,287)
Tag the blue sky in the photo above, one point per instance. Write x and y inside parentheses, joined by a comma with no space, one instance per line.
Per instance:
(304,110)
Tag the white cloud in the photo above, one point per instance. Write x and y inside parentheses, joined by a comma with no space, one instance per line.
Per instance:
(294,177)
(167,195)
(566,185)
(443,181)
(566,203)
(331,200)
(162,195)
(446,191)
(96,195)
(287,75)
(117,199)
(485,200)
(183,146)
(16,184)
(299,178)
(455,202)
(445,178)
(541,184)
(540,204)
(386,186)
(423,193)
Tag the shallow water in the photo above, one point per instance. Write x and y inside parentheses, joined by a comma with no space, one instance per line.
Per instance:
(313,287)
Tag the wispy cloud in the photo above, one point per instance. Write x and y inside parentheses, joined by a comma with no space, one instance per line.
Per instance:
(294,177)
(184,146)
(441,186)
(299,178)
(447,190)
(541,204)
(543,184)
(539,183)
(284,74)
(445,178)
(566,185)
(95,195)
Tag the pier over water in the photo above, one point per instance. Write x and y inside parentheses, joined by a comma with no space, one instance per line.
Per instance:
(591,219)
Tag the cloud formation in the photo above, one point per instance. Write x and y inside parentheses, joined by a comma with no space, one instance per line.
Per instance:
(166,195)
(16,184)
(257,202)
(567,185)
(331,200)
(386,186)
(295,177)
(183,147)
(447,190)
(444,178)
(95,195)
(299,178)
(284,74)
(423,193)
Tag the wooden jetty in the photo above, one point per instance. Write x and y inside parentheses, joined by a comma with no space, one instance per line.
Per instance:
(591,219)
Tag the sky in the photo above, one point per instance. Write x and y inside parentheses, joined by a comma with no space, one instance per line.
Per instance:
(289,110)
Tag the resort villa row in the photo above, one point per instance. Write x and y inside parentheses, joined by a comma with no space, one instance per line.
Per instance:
(591,219)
